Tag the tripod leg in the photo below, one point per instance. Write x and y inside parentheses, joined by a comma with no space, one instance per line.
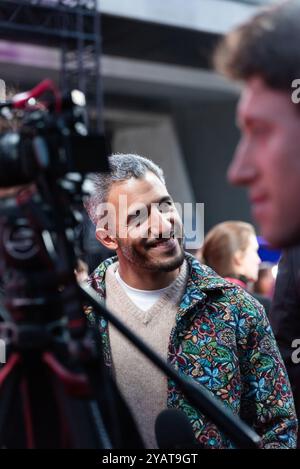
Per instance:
(99,396)
(80,413)
(84,422)
(22,406)
(9,383)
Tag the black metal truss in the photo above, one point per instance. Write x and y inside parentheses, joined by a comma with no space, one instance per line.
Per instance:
(38,20)
(71,25)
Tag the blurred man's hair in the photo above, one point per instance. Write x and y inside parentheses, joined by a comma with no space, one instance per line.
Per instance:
(268,46)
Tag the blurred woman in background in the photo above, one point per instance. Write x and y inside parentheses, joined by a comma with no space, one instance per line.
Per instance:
(231,249)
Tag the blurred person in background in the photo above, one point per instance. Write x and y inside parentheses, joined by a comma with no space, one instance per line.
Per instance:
(82,270)
(266,280)
(231,249)
(264,54)
(284,316)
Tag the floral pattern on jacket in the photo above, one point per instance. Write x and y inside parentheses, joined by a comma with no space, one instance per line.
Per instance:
(223,340)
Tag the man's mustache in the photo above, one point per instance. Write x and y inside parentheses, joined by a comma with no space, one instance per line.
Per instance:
(164,237)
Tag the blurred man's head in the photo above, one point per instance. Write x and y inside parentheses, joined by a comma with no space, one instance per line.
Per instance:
(135,215)
(265,54)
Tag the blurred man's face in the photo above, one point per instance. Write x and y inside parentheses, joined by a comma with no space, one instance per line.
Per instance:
(267,160)
(148,228)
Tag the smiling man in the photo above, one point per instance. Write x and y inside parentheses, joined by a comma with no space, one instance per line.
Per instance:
(148,242)
(206,327)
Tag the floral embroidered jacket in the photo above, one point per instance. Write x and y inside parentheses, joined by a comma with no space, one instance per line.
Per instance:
(223,340)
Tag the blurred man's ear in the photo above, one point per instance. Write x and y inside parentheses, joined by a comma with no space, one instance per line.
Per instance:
(106,239)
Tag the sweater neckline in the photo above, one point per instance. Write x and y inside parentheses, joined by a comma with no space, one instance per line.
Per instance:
(137,290)
(172,294)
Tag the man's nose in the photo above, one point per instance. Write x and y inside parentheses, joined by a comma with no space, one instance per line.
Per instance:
(242,169)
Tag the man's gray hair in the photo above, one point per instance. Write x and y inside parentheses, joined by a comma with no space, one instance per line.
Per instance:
(122,167)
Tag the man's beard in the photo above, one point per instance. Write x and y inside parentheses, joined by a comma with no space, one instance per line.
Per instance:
(152,264)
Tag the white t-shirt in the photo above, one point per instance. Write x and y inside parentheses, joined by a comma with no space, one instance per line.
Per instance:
(143,299)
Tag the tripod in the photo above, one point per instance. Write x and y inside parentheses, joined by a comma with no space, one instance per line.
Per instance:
(62,404)
(55,390)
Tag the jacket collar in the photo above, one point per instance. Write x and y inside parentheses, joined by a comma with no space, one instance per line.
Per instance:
(201,281)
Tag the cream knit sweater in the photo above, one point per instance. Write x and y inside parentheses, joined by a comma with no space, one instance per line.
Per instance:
(143,386)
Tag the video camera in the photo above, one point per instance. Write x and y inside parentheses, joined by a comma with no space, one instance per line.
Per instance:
(52,138)
(43,167)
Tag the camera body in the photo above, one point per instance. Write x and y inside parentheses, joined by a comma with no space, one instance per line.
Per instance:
(46,160)
(51,139)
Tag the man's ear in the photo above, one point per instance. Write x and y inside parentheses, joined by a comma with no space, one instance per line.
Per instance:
(104,238)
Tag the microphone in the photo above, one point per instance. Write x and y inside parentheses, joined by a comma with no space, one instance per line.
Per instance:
(173,430)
